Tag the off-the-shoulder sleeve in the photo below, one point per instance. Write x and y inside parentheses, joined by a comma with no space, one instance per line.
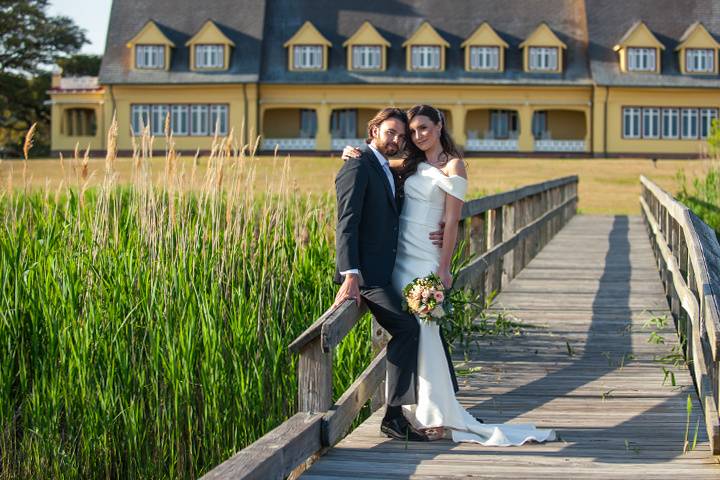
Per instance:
(455,185)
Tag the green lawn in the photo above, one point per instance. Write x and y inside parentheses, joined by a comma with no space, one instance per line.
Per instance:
(607,186)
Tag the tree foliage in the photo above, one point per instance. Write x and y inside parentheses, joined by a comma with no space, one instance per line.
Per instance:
(80,65)
(31,41)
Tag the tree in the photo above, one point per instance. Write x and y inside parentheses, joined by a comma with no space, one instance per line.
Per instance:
(30,42)
(80,65)
(30,39)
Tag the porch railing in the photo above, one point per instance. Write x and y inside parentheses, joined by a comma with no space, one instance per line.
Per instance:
(491,145)
(549,145)
(340,143)
(288,143)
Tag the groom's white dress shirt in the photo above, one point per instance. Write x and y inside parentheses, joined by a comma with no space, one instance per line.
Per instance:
(386,168)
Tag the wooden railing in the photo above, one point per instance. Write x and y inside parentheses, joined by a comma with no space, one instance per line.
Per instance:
(688,257)
(502,233)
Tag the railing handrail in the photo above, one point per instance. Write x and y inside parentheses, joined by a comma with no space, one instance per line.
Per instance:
(688,256)
(519,223)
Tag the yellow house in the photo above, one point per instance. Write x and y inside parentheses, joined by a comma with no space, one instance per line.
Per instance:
(517,77)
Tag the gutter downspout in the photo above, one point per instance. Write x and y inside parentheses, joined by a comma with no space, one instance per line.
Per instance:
(605,116)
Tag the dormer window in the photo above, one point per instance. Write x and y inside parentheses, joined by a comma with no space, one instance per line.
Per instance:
(151,57)
(308,57)
(700,60)
(485,58)
(209,56)
(425,57)
(543,58)
(642,59)
(366,57)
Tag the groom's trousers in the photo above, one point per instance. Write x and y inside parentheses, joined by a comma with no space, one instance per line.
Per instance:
(402,349)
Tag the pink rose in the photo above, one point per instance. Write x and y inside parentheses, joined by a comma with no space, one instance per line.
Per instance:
(439,296)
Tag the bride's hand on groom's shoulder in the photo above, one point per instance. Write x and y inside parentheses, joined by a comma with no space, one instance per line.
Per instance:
(350,152)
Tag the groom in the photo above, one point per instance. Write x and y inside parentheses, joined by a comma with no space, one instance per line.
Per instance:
(366,244)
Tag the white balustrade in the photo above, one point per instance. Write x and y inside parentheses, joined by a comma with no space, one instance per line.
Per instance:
(559,145)
(340,143)
(288,143)
(491,145)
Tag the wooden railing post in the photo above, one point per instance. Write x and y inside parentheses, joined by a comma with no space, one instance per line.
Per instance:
(314,378)
(495,229)
(509,211)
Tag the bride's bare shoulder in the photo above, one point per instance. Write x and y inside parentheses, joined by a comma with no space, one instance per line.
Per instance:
(456,166)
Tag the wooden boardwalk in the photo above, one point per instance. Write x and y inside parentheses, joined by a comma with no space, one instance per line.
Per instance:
(583,365)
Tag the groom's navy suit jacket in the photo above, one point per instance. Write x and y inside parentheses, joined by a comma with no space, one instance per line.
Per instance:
(367,227)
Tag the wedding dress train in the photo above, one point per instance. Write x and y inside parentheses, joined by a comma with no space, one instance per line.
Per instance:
(437,406)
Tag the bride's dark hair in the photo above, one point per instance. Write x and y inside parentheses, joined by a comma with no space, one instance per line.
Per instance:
(414,155)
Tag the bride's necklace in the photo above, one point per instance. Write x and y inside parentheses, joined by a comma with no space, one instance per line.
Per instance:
(440,163)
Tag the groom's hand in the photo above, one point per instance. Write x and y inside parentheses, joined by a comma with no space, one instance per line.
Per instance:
(350,288)
(436,237)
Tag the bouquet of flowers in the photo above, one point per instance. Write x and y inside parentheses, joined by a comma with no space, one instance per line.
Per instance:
(425,297)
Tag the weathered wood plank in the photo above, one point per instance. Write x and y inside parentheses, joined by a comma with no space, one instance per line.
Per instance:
(339,323)
(276,454)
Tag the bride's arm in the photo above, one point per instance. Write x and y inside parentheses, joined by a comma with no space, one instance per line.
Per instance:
(453,208)
(395,162)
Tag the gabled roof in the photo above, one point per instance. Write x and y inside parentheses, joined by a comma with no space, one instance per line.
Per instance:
(210,30)
(543,35)
(308,34)
(150,29)
(426,34)
(241,21)
(636,36)
(366,34)
(696,32)
(668,19)
(484,35)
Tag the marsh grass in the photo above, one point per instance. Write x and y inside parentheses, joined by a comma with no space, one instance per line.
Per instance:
(144,327)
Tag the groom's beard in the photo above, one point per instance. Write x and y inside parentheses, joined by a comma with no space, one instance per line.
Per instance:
(389,149)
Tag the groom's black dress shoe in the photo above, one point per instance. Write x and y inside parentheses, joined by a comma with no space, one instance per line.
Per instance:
(400,429)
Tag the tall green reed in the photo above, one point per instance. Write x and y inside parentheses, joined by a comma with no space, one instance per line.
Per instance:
(143,328)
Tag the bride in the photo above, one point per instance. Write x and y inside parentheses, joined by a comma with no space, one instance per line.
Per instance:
(435,182)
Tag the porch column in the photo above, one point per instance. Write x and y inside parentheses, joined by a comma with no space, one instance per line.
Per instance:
(322,137)
(526,142)
(458,120)
(588,131)
(74,122)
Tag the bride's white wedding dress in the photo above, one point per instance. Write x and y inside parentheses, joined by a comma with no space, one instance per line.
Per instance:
(437,406)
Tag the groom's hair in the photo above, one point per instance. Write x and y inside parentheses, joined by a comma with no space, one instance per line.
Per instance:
(381,116)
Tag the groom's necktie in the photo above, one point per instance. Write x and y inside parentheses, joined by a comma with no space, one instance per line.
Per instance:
(388,174)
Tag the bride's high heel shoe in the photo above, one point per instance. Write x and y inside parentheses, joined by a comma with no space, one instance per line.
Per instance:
(434,433)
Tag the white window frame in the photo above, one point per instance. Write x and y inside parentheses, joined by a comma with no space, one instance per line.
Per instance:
(218,112)
(670,123)
(158,114)
(150,57)
(699,60)
(139,118)
(199,120)
(641,59)
(180,120)
(366,57)
(308,57)
(707,115)
(631,122)
(209,56)
(689,124)
(543,59)
(425,57)
(651,122)
(484,58)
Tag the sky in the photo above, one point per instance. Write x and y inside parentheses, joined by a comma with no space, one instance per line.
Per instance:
(92,16)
